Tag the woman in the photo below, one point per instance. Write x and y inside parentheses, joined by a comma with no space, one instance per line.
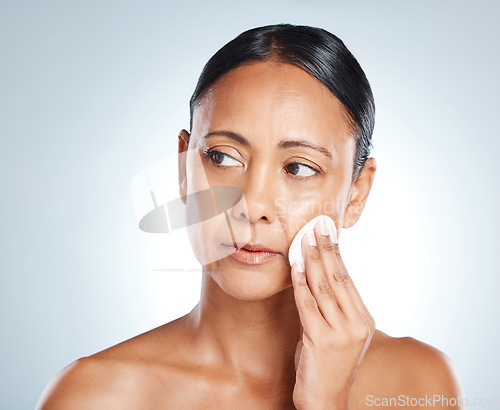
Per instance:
(285,114)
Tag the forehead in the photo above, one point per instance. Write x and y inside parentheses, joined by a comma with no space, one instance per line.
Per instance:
(272,100)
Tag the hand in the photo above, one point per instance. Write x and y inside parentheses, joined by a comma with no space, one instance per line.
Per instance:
(336,327)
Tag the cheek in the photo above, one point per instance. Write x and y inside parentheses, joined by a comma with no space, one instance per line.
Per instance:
(297,211)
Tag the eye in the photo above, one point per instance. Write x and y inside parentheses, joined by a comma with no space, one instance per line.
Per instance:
(294,169)
(218,158)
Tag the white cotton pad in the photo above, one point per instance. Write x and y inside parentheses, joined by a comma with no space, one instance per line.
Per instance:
(295,250)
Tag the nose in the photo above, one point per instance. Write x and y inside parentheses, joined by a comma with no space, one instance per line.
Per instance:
(259,189)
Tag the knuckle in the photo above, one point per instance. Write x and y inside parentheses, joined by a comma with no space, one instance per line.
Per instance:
(336,249)
(310,302)
(340,279)
(327,245)
(324,287)
(302,283)
(314,254)
(361,332)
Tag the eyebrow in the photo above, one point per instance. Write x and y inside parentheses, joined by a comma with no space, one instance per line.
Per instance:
(282,144)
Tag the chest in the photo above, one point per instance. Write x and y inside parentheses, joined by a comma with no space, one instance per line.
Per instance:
(184,392)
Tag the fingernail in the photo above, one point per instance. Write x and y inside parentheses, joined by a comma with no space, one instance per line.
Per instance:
(333,233)
(311,240)
(323,227)
(300,266)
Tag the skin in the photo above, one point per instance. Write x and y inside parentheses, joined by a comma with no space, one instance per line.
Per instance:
(265,336)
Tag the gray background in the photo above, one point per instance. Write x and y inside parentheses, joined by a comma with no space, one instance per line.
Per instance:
(93,92)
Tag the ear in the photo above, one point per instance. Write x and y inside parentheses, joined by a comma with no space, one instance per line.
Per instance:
(359,193)
(182,155)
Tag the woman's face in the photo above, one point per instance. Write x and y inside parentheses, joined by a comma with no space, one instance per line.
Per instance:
(282,138)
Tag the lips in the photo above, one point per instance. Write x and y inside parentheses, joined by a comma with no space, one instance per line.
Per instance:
(255,247)
(252,253)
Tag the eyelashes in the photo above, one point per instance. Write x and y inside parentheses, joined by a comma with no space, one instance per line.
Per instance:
(212,154)
(312,171)
(217,159)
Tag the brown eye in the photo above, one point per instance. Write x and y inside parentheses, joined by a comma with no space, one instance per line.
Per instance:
(218,158)
(295,168)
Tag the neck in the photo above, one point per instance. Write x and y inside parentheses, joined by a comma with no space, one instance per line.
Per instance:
(247,338)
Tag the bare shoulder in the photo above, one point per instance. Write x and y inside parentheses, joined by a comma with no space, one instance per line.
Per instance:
(406,367)
(121,377)
(424,367)
(88,382)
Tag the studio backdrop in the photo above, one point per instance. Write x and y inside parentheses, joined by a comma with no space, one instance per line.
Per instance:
(93,96)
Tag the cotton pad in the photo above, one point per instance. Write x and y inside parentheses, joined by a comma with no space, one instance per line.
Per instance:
(295,250)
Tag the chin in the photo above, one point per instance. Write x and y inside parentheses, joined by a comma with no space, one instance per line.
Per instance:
(251,282)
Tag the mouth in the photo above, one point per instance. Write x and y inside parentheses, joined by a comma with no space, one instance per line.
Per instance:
(253,254)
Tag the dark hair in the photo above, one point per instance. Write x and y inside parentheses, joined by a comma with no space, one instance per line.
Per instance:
(321,54)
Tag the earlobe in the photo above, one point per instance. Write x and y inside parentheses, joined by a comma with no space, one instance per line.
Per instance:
(183,191)
(352,214)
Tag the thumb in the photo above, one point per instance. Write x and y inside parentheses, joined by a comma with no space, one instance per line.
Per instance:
(298,350)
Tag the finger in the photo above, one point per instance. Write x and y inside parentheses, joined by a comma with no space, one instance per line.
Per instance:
(359,303)
(310,317)
(342,276)
(298,353)
(335,273)
(348,298)
(318,281)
